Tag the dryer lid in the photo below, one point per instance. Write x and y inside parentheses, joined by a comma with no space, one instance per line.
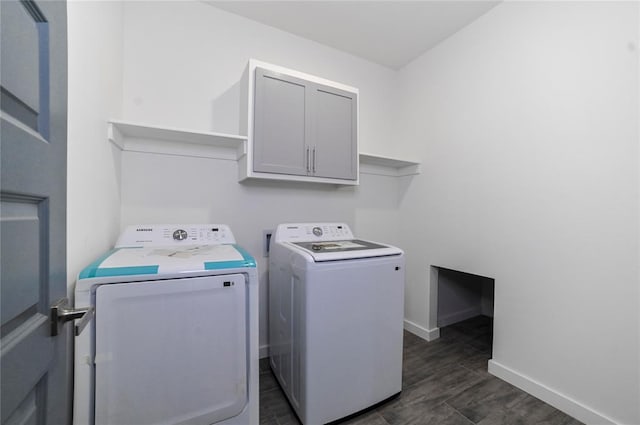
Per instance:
(154,260)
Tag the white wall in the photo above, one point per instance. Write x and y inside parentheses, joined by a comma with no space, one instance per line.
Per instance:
(95,94)
(183,62)
(526,122)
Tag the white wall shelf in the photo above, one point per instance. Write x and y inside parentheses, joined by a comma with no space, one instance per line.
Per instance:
(149,138)
(387,166)
(136,137)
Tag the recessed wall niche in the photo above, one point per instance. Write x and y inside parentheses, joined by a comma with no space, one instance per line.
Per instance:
(462,296)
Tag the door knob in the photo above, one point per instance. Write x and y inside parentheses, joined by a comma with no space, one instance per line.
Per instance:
(61,312)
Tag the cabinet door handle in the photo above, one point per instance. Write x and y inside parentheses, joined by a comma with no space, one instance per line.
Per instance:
(314,160)
(308,165)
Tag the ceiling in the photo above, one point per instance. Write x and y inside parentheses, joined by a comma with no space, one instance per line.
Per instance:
(390,33)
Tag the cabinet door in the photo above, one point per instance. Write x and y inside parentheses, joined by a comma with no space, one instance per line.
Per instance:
(335,151)
(281,127)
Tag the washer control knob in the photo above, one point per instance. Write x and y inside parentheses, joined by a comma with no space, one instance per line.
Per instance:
(317,231)
(180,235)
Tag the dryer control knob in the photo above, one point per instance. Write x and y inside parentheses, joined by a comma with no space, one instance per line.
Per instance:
(317,231)
(180,235)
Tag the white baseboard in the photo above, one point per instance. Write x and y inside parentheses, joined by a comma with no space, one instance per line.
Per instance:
(548,395)
(424,333)
(458,316)
(263,351)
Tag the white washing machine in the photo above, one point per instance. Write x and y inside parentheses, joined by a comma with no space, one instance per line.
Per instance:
(174,339)
(336,309)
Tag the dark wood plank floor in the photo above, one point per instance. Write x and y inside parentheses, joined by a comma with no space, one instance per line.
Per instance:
(445,382)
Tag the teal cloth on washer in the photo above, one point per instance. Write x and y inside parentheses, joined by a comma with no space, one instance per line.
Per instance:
(94,270)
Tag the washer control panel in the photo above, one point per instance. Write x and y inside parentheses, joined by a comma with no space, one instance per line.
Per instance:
(313,232)
(175,234)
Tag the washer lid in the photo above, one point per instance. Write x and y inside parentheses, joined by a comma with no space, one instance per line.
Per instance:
(167,260)
(346,249)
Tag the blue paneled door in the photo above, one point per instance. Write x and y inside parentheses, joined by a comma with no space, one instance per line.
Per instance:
(33,130)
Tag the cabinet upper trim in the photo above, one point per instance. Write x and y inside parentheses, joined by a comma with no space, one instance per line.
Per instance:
(253,64)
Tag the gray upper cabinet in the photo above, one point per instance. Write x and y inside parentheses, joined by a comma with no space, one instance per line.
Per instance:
(300,127)
(282,123)
(334,150)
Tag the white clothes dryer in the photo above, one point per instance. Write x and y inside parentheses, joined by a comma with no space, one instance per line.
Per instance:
(174,339)
(336,310)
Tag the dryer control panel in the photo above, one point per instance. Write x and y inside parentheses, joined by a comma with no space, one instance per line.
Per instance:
(304,232)
(175,234)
